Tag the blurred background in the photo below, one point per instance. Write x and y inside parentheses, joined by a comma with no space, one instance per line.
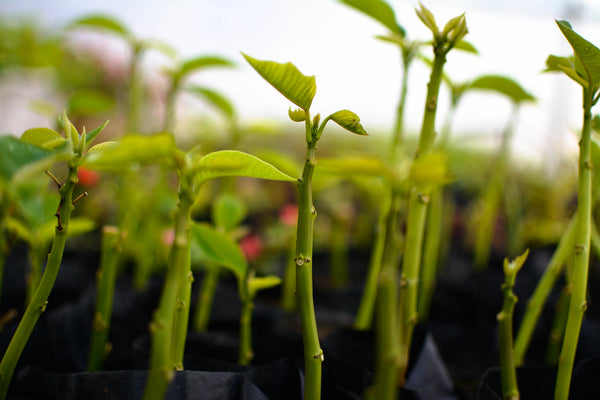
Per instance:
(324,38)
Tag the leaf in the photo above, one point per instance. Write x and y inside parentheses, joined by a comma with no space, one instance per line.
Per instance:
(103,22)
(588,54)
(93,133)
(228,211)
(236,163)
(349,121)
(17,155)
(565,65)
(380,11)
(466,46)
(217,247)
(287,79)
(511,267)
(195,64)
(428,19)
(297,115)
(257,283)
(214,98)
(503,85)
(131,149)
(46,138)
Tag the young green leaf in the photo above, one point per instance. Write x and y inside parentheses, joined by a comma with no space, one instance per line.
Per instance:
(214,98)
(567,66)
(428,19)
(102,22)
(198,63)
(228,211)
(466,46)
(131,149)
(380,11)
(218,248)
(236,163)
(503,85)
(46,138)
(93,133)
(349,121)
(287,79)
(257,283)
(588,54)
(18,156)
(297,115)
(69,129)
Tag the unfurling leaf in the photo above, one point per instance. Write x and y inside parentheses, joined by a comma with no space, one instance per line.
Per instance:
(567,66)
(235,163)
(218,248)
(428,19)
(287,79)
(512,267)
(349,121)
(297,115)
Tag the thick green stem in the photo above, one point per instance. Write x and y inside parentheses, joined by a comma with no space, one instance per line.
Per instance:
(536,303)
(582,255)
(417,214)
(288,298)
(38,302)
(508,372)
(107,275)
(557,331)
(36,259)
(387,348)
(162,360)
(206,297)
(313,354)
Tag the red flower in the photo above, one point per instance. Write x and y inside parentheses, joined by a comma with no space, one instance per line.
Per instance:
(88,178)
(252,246)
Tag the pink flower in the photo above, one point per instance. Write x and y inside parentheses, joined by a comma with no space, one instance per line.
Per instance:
(252,246)
(288,214)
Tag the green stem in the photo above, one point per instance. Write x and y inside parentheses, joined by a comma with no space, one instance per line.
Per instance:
(433,239)
(245,353)
(536,303)
(206,297)
(557,331)
(107,275)
(364,316)
(508,373)
(417,214)
(582,254)
(386,341)
(288,299)
(38,302)
(313,354)
(36,259)
(162,360)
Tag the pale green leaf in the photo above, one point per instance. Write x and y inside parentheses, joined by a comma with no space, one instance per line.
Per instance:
(297,115)
(380,11)
(349,121)
(218,248)
(198,63)
(511,267)
(101,22)
(46,138)
(228,211)
(215,98)
(93,133)
(565,65)
(428,19)
(258,283)
(588,54)
(236,163)
(466,46)
(502,85)
(287,79)
(131,149)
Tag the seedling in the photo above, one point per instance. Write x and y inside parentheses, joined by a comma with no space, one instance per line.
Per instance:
(300,90)
(505,328)
(72,148)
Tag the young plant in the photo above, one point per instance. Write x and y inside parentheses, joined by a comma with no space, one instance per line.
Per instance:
(300,90)
(107,275)
(583,68)
(443,41)
(508,371)
(73,147)
(169,327)
(222,250)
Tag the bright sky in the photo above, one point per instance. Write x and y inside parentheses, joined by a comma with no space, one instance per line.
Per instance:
(354,70)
